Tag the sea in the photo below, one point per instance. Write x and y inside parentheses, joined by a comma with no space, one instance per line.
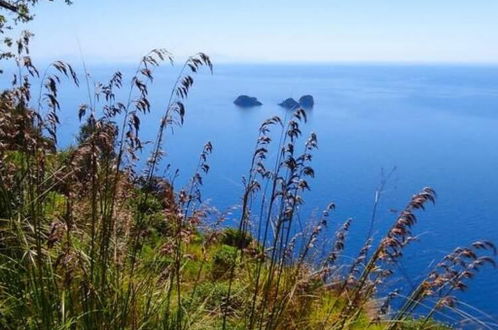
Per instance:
(428,125)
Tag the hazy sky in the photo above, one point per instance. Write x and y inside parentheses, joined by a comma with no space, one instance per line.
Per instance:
(272,30)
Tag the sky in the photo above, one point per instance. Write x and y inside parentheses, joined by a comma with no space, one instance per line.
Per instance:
(267,31)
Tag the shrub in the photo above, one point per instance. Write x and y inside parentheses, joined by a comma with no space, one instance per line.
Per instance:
(224,260)
(236,238)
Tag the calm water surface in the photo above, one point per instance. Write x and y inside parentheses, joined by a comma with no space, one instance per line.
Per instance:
(437,124)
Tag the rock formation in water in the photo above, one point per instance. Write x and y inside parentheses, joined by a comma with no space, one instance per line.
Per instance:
(290,104)
(306,101)
(245,101)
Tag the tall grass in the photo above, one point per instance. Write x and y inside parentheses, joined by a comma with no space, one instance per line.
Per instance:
(91,239)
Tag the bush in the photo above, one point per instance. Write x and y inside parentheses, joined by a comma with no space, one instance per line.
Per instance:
(236,238)
(223,261)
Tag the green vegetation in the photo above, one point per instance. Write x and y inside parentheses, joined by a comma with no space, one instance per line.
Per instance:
(88,242)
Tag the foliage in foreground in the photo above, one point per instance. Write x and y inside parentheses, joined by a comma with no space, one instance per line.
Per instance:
(87,240)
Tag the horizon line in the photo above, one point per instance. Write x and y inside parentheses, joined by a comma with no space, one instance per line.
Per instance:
(180,59)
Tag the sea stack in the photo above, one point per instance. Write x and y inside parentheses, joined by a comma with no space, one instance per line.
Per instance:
(289,104)
(245,101)
(306,101)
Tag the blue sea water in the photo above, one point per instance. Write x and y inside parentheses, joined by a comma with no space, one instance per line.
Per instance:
(437,124)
